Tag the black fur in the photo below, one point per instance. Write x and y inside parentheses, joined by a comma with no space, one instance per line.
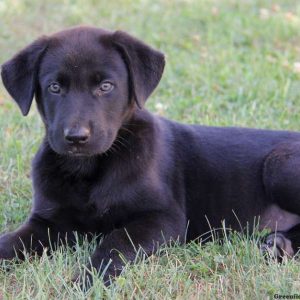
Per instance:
(134,174)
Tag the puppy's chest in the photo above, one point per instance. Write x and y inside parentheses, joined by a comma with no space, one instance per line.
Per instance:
(88,204)
(95,215)
(94,205)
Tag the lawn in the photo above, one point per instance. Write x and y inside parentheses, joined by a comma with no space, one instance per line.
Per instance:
(229,63)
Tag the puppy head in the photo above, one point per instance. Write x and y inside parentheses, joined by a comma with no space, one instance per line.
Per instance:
(87,82)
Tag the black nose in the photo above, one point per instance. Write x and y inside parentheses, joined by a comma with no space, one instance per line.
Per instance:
(78,135)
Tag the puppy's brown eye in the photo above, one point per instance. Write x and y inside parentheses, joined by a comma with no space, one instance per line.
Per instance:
(54,88)
(106,87)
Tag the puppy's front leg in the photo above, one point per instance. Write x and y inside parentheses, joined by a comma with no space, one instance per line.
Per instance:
(148,231)
(32,236)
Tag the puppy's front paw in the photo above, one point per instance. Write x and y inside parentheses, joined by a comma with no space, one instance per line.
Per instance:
(7,247)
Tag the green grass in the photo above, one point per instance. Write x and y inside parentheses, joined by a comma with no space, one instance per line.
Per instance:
(229,63)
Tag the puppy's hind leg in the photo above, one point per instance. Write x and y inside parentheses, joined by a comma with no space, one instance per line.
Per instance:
(282,184)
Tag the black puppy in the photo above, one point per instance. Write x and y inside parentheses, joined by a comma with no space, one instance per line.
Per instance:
(107,166)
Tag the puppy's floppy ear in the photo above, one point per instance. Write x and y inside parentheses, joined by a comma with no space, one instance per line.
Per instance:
(19,74)
(145,65)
